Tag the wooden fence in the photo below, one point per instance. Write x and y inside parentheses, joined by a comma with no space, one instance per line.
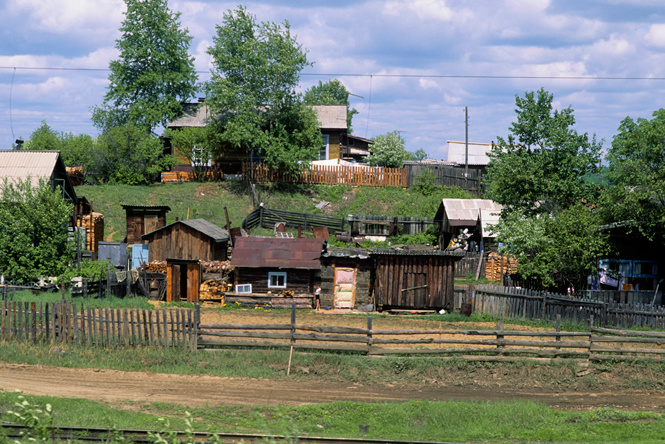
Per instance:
(469,264)
(64,322)
(267,218)
(383,225)
(447,176)
(328,175)
(511,302)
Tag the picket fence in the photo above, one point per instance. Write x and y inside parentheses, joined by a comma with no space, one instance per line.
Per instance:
(66,322)
(328,175)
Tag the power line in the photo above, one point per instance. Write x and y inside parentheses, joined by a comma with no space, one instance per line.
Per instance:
(396,75)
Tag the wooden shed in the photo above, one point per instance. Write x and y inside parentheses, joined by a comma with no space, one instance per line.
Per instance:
(347,278)
(414,279)
(142,220)
(195,239)
(276,265)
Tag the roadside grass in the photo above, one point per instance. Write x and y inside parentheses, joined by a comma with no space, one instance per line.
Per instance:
(92,302)
(460,421)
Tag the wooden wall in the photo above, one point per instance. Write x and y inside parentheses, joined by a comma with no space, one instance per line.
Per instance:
(427,281)
(334,144)
(298,281)
(182,242)
(364,279)
(142,222)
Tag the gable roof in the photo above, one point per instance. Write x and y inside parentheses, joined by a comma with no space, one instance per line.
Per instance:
(331,116)
(201,225)
(260,252)
(195,115)
(467,212)
(477,152)
(19,165)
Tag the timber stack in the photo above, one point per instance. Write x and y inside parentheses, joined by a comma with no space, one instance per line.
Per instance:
(498,266)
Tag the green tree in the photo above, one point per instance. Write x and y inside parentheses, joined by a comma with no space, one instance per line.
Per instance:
(541,166)
(75,150)
(555,251)
(129,155)
(388,151)
(197,145)
(44,138)
(252,92)
(154,72)
(333,92)
(418,155)
(637,175)
(33,231)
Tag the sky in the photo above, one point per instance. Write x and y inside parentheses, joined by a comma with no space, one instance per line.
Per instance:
(412,66)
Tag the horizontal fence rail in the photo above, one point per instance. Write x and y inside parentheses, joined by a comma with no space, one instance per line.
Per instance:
(267,218)
(65,322)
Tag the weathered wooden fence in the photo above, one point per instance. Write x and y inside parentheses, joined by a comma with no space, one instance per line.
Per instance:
(511,302)
(68,323)
(469,264)
(447,175)
(383,225)
(267,218)
(328,175)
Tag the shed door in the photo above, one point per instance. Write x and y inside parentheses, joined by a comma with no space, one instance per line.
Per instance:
(345,287)
(150,222)
(416,293)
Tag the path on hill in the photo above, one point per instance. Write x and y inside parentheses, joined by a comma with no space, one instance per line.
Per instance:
(112,386)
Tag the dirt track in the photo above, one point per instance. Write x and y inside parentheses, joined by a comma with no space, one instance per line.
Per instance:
(113,387)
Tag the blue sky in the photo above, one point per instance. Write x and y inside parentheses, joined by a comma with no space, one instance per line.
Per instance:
(414,63)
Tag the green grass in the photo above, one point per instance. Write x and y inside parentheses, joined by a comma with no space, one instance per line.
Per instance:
(464,421)
(207,200)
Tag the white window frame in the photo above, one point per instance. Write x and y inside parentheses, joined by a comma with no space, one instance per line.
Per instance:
(200,158)
(244,288)
(276,274)
(325,147)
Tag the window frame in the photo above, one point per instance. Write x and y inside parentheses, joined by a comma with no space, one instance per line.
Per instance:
(276,274)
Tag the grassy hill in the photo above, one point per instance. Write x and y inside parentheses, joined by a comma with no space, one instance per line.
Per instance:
(207,201)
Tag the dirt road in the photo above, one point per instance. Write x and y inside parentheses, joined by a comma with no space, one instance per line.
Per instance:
(112,387)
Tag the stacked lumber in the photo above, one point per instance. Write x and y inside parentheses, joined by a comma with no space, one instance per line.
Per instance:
(94,229)
(498,266)
(75,174)
(213,289)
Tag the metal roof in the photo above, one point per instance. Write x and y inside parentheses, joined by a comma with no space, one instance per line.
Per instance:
(331,116)
(477,152)
(19,165)
(194,115)
(201,225)
(270,252)
(396,252)
(146,207)
(466,212)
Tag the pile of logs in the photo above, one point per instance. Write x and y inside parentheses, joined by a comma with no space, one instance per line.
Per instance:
(208,267)
(498,266)
(213,289)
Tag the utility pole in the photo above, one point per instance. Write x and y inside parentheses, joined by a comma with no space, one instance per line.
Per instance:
(466,146)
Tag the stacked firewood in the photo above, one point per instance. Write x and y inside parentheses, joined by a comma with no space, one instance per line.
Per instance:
(223,267)
(213,289)
(155,267)
(498,266)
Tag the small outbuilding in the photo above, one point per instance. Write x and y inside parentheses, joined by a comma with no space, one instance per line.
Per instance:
(143,219)
(347,278)
(414,279)
(195,239)
(276,265)
(475,215)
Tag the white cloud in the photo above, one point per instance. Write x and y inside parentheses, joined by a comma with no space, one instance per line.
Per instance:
(656,35)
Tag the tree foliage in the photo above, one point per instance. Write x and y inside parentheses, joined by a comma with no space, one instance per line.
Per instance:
(75,150)
(388,151)
(333,92)
(637,175)
(154,72)
(541,166)
(252,92)
(33,231)
(197,145)
(555,251)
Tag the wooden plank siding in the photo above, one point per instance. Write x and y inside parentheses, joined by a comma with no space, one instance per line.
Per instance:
(185,243)
(298,281)
(415,281)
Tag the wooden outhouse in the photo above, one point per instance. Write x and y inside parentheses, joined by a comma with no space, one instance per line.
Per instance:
(143,219)
(183,280)
(195,239)
(276,265)
(414,279)
(347,278)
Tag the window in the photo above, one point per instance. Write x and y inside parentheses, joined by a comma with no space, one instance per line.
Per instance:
(277,279)
(324,151)
(244,288)
(200,157)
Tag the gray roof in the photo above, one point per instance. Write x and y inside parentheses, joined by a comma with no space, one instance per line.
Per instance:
(331,116)
(466,212)
(19,165)
(477,152)
(194,115)
(203,226)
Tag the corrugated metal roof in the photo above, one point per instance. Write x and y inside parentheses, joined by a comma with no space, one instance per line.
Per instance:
(395,252)
(477,152)
(146,207)
(19,165)
(208,228)
(331,116)
(465,212)
(428,162)
(267,252)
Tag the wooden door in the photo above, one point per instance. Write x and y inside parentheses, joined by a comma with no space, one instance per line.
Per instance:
(345,287)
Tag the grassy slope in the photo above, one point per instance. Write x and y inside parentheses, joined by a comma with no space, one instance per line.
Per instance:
(207,201)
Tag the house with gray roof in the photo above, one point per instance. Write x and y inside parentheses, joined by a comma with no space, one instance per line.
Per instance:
(195,239)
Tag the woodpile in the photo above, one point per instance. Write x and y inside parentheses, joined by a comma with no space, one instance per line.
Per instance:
(208,267)
(214,289)
(94,229)
(498,266)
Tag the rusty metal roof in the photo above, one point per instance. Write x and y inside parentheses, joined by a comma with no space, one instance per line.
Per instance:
(203,226)
(262,252)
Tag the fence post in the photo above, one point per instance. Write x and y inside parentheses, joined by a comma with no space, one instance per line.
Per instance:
(499,337)
(369,334)
(590,333)
(293,330)
(558,329)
